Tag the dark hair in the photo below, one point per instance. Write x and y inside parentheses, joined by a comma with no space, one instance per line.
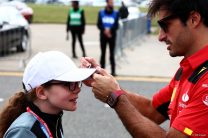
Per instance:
(15,106)
(181,8)
(106,1)
(76,2)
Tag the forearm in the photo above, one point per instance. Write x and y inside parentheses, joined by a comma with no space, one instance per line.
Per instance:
(67,24)
(83,19)
(135,122)
(144,106)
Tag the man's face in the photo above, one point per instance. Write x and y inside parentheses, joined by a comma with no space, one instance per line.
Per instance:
(110,3)
(74,4)
(175,34)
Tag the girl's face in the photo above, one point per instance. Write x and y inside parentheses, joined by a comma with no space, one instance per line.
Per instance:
(63,95)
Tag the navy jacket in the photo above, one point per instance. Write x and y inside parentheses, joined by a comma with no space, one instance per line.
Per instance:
(112,14)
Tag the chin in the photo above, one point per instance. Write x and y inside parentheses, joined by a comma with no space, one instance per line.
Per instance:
(74,108)
(173,54)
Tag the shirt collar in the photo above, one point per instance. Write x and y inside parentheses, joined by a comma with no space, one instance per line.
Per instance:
(196,59)
(46,117)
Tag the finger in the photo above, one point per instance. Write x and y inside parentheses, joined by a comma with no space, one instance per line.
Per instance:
(96,76)
(97,94)
(92,61)
(93,84)
(102,71)
(84,62)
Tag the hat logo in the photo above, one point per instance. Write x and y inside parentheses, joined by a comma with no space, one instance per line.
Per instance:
(185,97)
(205,99)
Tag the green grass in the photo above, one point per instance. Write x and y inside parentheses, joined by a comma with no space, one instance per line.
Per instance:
(58,13)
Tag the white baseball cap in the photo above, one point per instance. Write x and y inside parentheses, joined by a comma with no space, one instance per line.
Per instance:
(52,65)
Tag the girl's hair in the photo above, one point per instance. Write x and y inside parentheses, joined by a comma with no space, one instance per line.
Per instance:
(15,106)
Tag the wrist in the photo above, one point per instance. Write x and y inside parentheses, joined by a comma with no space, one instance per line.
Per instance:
(113,98)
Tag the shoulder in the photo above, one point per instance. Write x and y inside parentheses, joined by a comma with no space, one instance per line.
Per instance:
(25,119)
(21,126)
(19,132)
(81,9)
(115,12)
(202,83)
(102,11)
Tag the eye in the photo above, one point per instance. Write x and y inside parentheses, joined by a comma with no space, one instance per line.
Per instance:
(66,84)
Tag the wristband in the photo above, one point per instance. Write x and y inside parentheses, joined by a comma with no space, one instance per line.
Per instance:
(113,98)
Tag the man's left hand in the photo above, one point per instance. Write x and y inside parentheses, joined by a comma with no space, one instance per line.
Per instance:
(104,84)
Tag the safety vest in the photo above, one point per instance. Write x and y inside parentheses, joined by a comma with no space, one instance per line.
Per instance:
(75,17)
(108,20)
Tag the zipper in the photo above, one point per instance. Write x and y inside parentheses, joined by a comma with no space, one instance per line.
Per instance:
(57,126)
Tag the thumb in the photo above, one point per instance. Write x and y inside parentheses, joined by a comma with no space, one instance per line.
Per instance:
(102,71)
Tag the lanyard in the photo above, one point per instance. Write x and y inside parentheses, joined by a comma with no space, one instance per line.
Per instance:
(44,126)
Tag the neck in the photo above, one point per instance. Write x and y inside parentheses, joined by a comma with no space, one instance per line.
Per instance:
(200,40)
(108,8)
(46,107)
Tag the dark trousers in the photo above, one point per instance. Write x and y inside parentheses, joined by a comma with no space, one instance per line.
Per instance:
(77,34)
(103,45)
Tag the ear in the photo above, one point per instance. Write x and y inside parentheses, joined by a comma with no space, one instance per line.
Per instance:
(195,19)
(41,93)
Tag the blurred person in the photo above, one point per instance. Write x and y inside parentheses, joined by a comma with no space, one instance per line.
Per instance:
(76,24)
(123,11)
(108,24)
(52,83)
(149,24)
(184,101)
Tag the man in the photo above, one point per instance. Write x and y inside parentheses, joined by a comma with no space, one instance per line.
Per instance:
(184,28)
(76,24)
(108,24)
(123,11)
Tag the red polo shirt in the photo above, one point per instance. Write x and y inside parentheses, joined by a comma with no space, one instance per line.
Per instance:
(188,108)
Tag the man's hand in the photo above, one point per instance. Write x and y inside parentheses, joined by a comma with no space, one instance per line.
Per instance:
(104,84)
(88,62)
(107,33)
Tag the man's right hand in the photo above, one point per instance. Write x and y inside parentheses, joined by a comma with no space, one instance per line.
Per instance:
(88,62)
(107,33)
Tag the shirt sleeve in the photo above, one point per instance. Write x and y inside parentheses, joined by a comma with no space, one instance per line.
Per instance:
(83,20)
(161,99)
(193,119)
(67,23)
(19,133)
(99,22)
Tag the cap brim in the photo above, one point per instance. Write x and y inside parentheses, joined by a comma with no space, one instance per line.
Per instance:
(78,74)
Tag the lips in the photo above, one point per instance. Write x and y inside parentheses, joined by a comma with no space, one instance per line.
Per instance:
(74,99)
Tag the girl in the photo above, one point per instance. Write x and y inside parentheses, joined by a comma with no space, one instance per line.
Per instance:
(52,83)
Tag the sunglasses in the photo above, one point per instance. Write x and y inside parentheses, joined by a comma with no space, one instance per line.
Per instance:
(163,22)
(70,85)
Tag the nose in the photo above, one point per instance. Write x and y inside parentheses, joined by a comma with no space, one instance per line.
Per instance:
(162,35)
